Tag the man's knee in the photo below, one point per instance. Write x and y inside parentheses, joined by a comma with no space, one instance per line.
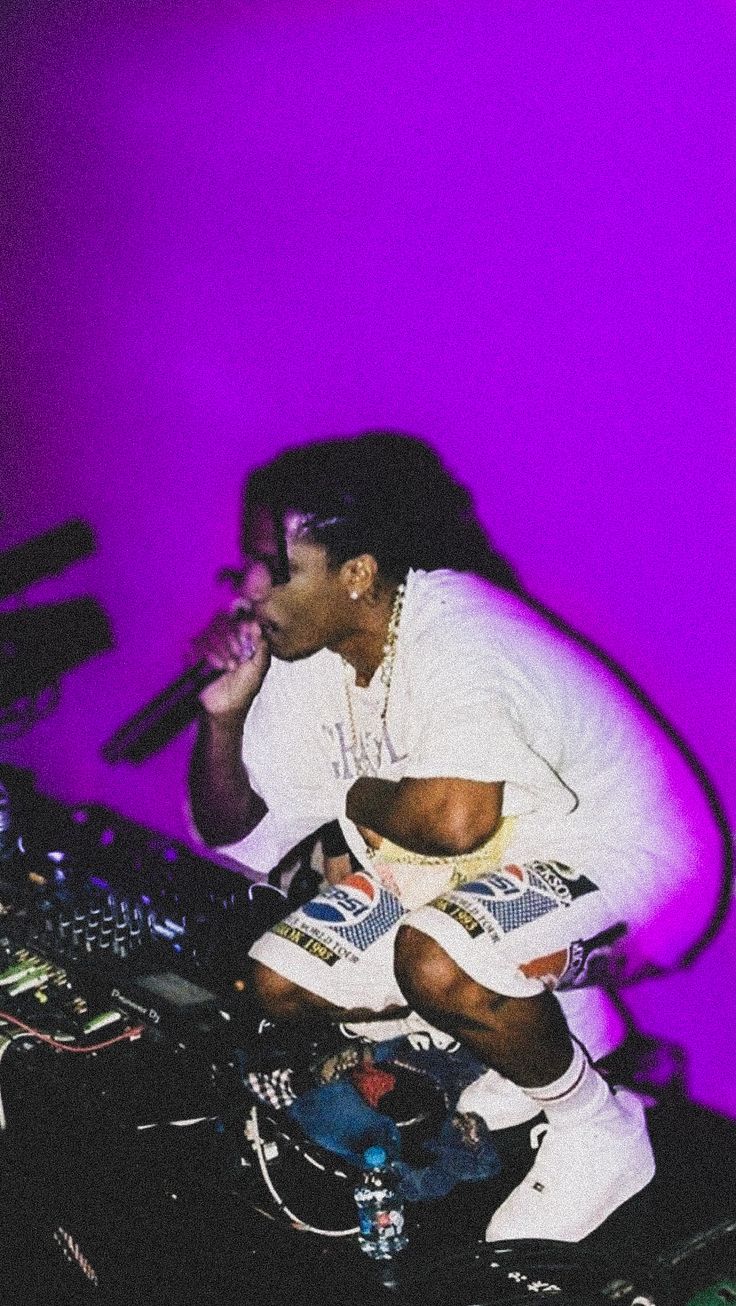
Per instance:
(431,982)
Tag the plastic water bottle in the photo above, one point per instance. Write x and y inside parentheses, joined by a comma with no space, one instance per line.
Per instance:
(380,1208)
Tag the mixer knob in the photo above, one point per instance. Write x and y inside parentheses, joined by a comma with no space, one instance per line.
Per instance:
(107,922)
(78,928)
(121,944)
(104,938)
(91,930)
(137,926)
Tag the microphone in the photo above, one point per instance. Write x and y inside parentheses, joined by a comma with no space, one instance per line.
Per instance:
(162,718)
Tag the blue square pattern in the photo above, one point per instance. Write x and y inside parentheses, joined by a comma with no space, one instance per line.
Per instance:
(387,911)
(511,914)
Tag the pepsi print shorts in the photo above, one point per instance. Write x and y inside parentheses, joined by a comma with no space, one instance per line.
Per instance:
(340,945)
(522,929)
(517,931)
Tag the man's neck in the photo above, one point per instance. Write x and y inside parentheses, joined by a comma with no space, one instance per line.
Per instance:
(364,646)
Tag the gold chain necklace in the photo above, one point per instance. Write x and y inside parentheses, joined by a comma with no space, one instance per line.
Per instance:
(385,671)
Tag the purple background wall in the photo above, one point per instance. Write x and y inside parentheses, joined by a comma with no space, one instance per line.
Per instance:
(507,227)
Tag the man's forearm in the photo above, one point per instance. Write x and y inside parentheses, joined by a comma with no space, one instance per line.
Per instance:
(224,806)
(434,817)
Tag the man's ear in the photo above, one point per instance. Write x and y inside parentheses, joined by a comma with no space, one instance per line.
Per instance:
(359,575)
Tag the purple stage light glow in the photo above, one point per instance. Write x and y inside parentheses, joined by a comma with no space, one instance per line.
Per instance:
(507,228)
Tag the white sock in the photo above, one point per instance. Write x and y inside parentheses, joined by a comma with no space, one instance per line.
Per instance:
(578,1093)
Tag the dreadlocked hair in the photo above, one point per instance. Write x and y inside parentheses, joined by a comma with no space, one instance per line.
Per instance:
(383,493)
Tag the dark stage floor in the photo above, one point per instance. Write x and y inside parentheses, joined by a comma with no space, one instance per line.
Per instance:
(96,1219)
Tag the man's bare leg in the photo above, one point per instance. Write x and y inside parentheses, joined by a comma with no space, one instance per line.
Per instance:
(596,1153)
(281,1000)
(524,1039)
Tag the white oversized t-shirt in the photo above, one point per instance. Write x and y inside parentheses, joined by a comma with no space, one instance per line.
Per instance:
(484,688)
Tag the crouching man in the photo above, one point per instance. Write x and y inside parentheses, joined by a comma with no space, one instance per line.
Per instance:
(512,808)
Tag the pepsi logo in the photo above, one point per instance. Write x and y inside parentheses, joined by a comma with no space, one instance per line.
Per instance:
(499,885)
(345,903)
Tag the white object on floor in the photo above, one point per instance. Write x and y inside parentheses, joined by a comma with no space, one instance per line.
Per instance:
(586,1169)
(411,1026)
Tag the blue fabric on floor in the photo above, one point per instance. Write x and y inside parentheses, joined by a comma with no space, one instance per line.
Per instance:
(463,1152)
(335,1116)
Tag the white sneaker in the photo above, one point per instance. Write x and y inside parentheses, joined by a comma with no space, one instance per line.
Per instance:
(497,1101)
(583,1173)
(421,1034)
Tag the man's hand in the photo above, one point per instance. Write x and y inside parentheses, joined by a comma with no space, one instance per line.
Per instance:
(235,643)
(224,806)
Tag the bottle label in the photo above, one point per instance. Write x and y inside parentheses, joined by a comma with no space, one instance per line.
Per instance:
(388,1222)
